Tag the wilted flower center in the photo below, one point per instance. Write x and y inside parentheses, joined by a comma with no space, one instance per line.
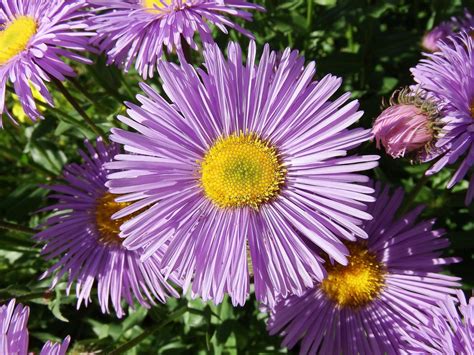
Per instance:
(156,5)
(15,37)
(241,170)
(358,283)
(109,229)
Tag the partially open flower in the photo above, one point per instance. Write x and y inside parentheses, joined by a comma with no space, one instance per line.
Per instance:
(431,39)
(407,126)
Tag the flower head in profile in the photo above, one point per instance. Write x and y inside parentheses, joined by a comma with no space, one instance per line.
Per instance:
(35,36)
(449,331)
(243,160)
(85,239)
(431,39)
(439,34)
(139,30)
(391,279)
(448,75)
(408,126)
(14,332)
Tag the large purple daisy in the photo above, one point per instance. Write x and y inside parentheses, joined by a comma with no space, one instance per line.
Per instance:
(137,30)
(14,332)
(245,161)
(450,329)
(34,35)
(85,238)
(391,280)
(448,75)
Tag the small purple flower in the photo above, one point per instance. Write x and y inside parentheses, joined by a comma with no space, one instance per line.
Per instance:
(83,236)
(34,35)
(52,348)
(432,39)
(448,75)
(13,328)
(449,331)
(390,282)
(14,332)
(408,126)
(137,30)
(244,161)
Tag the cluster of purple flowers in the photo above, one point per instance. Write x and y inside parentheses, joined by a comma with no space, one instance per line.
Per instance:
(242,171)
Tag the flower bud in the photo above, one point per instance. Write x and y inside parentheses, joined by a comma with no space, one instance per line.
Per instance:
(431,39)
(403,129)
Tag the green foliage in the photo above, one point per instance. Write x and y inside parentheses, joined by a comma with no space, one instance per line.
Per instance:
(371,44)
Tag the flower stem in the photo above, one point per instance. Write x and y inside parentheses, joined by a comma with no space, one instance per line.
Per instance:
(79,109)
(408,202)
(17,228)
(309,13)
(137,340)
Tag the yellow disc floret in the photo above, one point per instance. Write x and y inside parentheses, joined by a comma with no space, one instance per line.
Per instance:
(471,107)
(358,283)
(241,170)
(109,228)
(156,5)
(15,36)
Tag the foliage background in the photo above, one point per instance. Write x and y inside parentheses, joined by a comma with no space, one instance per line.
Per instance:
(371,44)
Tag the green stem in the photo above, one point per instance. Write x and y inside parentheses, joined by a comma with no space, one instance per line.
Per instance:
(408,202)
(27,297)
(137,340)
(79,109)
(17,228)
(309,13)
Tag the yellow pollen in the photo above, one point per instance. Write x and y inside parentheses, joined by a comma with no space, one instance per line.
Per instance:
(15,36)
(358,283)
(241,170)
(156,6)
(471,107)
(109,229)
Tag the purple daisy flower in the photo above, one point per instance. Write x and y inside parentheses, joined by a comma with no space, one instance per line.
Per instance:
(246,161)
(450,330)
(13,328)
(137,30)
(448,75)
(14,332)
(391,279)
(52,348)
(83,235)
(34,35)
(439,34)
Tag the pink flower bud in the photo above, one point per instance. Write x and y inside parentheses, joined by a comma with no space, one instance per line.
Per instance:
(402,129)
(430,40)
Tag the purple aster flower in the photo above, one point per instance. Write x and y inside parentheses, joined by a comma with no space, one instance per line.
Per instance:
(85,238)
(448,75)
(432,39)
(389,282)
(243,159)
(137,30)
(14,332)
(51,348)
(34,35)
(450,330)
(13,328)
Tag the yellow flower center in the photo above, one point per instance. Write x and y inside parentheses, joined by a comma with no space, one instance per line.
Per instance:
(156,6)
(14,37)
(358,283)
(471,106)
(109,228)
(241,170)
